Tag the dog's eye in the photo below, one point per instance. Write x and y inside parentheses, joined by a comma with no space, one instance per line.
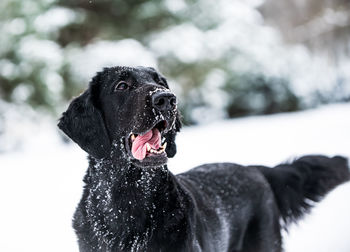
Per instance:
(121,86)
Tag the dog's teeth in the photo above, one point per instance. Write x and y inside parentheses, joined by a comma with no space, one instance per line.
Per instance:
(148,147)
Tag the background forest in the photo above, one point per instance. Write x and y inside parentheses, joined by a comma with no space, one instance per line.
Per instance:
(223,58)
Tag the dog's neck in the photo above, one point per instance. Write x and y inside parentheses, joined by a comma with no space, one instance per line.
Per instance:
(131,203)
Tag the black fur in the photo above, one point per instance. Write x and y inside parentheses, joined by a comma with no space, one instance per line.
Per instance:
(132,205)
(304,181)
(83,123)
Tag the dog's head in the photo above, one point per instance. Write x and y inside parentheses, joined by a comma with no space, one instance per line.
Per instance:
(131,109)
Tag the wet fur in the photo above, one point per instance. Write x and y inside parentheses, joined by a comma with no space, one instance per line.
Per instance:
(133,206)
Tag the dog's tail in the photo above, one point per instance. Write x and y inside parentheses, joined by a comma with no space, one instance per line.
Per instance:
(306,179)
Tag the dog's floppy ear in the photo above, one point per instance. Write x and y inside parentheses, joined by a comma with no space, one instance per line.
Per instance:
(84,124)
(170,138)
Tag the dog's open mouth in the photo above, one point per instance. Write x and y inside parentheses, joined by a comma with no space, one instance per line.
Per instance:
(150,143)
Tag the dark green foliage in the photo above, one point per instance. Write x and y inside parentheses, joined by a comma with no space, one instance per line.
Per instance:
(113,20)
(258,94)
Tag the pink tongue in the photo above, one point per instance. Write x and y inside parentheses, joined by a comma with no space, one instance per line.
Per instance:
(139,149)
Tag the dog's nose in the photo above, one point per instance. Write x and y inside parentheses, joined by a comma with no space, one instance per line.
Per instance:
(164,101)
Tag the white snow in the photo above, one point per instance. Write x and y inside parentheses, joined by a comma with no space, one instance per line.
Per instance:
(95,56)
(54,18)
(41,183)
(37,50)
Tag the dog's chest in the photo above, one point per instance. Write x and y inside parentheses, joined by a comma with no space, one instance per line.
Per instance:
(123,216)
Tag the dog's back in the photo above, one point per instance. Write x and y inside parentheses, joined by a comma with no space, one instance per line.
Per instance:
(236,205)
(242,206)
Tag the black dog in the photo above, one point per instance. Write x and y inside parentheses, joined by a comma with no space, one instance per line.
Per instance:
(127,121)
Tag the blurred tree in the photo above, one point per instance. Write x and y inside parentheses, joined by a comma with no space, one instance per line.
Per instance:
(322,25)
(258,94)
(115,20)
(30,60)
(49,47)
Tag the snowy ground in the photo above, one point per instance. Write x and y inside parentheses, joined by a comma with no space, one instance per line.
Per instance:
(40,185)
